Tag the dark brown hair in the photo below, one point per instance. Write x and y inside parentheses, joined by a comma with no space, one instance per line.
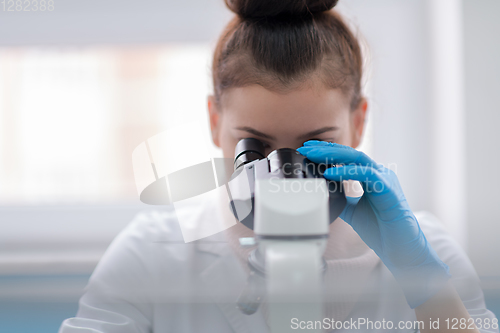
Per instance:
(279,44)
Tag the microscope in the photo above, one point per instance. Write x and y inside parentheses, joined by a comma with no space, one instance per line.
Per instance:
(286,201)
(283,197)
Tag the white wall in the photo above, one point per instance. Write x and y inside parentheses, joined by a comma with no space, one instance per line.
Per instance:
(59,239)
(482,59)
(404,42)
(78,22)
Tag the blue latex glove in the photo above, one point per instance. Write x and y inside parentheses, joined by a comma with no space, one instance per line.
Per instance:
(384,220)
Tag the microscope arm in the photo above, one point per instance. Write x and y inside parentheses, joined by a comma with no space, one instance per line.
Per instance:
(291,226)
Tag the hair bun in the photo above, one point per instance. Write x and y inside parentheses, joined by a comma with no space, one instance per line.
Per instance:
(271,8)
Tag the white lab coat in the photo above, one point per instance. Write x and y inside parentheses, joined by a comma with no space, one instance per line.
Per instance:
(150,280)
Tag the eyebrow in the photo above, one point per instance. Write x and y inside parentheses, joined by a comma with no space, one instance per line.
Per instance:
(303,136)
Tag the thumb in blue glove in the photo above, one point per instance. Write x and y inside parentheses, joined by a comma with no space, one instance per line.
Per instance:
(384,220)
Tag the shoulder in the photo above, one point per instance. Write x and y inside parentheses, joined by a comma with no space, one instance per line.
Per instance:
(431,225)
(445,245)
(447,248)
(142,236)
(463,275)
(151,241)
(148,255)
(153,224)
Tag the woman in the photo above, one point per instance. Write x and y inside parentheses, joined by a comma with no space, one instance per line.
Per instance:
(289,73)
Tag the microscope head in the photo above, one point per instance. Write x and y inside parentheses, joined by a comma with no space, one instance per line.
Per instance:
(251,165)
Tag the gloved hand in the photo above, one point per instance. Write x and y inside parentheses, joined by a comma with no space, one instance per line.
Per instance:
(383,219)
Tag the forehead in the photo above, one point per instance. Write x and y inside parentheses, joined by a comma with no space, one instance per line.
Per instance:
(303,107)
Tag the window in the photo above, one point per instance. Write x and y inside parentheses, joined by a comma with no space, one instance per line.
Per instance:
(71,117)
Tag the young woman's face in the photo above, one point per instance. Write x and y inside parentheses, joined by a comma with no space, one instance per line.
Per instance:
(284,120)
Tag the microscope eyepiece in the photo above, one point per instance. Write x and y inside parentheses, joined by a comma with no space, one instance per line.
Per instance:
(248,150)
(279,164)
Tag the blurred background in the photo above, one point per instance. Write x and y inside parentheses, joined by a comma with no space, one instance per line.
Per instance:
(83,83)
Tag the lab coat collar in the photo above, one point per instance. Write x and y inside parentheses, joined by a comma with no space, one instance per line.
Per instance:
(224,277)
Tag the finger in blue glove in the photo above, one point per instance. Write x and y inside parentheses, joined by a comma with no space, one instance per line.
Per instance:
(383,219)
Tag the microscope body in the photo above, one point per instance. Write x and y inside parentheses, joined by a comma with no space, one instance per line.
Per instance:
(289,205)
